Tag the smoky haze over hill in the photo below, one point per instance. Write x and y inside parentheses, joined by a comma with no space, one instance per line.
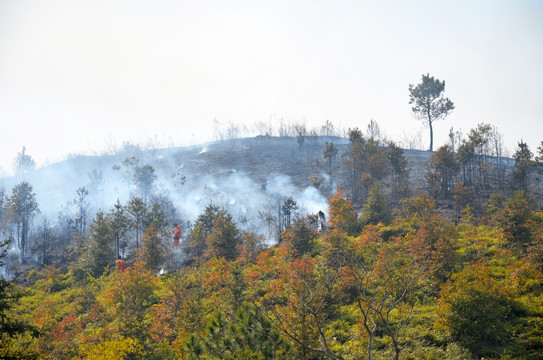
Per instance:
(248,177)
(245,176)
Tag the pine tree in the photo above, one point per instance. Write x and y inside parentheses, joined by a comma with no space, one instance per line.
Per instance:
(429,103)
(22,206)
(524,166)
(376,208)
(329,153)
(197,244)
(137,210)
(300,237)
(119,226)
(152,251)
(224,239)
(99,251)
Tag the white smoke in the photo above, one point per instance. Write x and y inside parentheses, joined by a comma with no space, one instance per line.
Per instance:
(242,197)
(235,191)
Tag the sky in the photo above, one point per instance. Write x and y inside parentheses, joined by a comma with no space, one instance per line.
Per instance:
(86,76)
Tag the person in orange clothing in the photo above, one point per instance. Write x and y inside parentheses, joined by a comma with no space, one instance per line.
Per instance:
(176,234)
(121,266)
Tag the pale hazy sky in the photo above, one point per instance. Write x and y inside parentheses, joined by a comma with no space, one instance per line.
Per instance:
(74,74)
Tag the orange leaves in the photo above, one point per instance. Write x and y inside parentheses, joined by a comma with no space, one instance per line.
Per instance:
(250,247)
(216,274)
(299,275)
(301,267)
(369,241)
(476,278)
(342,215)
(281,282)
(161,326)
(262,277)
(67,328)
(181,310)
(129,299)
(45,317)
(336,297)
(130,286)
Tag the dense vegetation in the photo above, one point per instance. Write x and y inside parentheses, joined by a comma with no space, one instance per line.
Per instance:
(452,273)
(417,287)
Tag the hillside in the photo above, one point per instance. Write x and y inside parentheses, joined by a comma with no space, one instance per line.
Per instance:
(248,172)
(256,159)
(249,279)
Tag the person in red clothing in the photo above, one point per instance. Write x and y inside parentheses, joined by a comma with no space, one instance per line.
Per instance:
(176,234)
(121,266)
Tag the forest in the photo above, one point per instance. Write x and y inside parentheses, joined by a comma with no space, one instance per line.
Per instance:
(440,259)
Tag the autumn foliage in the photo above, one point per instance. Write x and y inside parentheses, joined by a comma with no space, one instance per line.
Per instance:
(416,287)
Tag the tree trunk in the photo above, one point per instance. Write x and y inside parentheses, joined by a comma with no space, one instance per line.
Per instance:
(431,133)
(24,236)
(370,341)
(117,246)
